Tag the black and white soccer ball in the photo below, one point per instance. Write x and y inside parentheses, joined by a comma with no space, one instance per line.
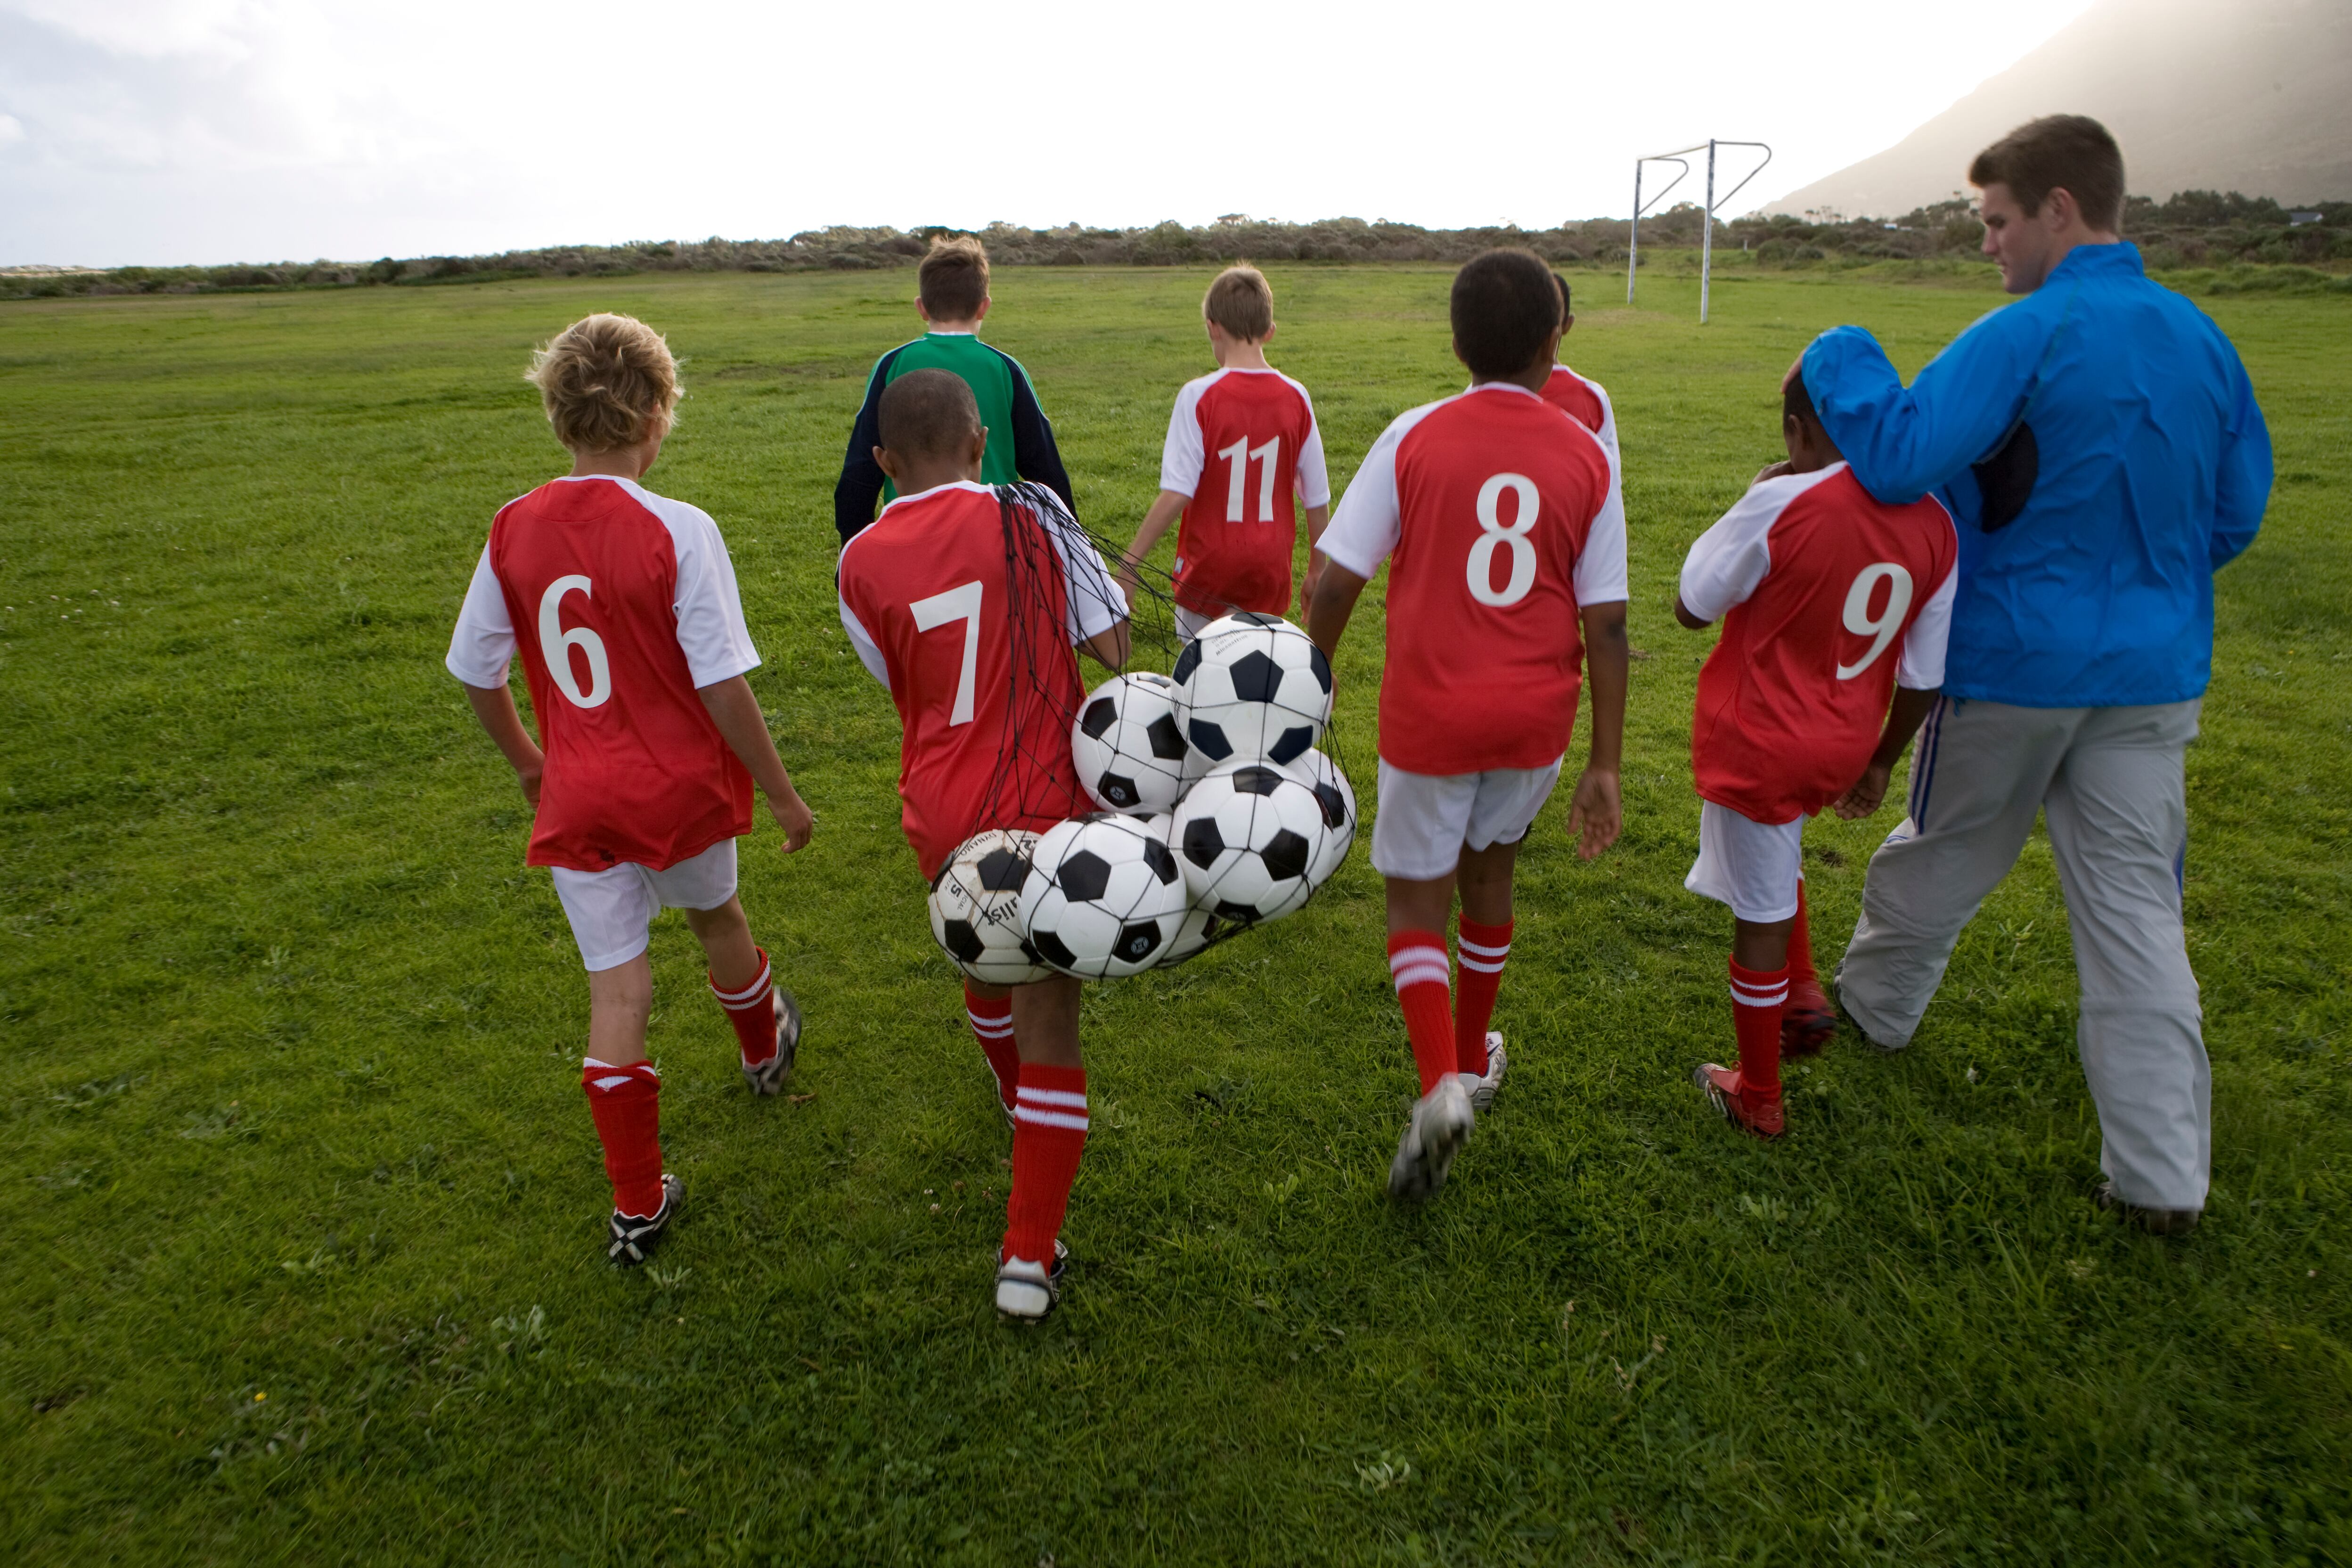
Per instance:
(976,908)
(1252,687)
(1337,799)
(1130,745)
(1248,836)
(1203,925)
(1104,897)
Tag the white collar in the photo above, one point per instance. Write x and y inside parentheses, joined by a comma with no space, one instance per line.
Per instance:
(951,485)
(1501,387)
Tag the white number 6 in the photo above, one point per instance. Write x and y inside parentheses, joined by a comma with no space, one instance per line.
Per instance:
(1890,620)
(1492,533)
(555,646)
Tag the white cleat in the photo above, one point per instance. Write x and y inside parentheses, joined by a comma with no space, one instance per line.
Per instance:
(1440,1126)
(1029,1291)
(1482,1090)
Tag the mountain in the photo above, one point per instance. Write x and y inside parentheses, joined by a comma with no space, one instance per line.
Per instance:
(2222,95)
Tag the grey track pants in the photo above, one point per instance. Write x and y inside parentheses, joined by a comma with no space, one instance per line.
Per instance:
(2109,781)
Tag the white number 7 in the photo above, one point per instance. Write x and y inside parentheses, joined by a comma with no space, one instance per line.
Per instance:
(955,604)
(1890,620)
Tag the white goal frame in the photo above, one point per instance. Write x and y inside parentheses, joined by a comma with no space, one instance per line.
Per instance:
(1707,224)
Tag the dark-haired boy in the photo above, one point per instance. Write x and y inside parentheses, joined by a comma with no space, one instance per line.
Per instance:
(1584,400)
(951,296)
(965,601)
(1830,602)
(1494,505)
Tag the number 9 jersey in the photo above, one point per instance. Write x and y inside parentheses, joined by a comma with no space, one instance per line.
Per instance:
(1815,581)
(622,603)
(1503,523)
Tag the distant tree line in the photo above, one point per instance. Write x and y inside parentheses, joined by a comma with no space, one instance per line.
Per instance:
(2192,229)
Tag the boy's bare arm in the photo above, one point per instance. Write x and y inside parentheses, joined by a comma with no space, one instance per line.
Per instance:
(1329,604)
(1318,517)
(745,730)
(1108,647)
(1688,617)
(1596,814)
(494,706)
(1903,720)
(1166,507)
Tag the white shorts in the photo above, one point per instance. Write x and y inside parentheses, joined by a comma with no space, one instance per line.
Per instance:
(1188,623)
(612,912)
(1752,866)
(1426,820)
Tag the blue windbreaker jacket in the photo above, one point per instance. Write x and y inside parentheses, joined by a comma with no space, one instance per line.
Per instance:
(2099,444)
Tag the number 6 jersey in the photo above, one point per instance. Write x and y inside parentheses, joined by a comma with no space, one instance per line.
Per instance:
(1816,584)
(622,603)
(1498,511)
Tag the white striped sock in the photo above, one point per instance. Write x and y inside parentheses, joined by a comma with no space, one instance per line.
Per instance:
(1417,965)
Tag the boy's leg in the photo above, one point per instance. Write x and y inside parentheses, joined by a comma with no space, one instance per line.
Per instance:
(1417,965)
(990,1008)
(1483,945)
(1806,1021)
(1049,1135)
(1418,838)
(1756,868)
(623,1088)
(765,1018)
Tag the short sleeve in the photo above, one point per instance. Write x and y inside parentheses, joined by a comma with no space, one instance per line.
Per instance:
(710,629)
(1182,456)
(1728,562)
(870,652)
(1094,603)
(1371,519)
(482,646)
(1601,577)
(1312,477)
(1922,667)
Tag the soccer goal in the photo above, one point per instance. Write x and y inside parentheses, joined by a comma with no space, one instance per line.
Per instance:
(1679,157)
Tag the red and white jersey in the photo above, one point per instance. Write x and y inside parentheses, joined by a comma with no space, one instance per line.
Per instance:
(1815,581)
(1496,506)
(1241,444)
(630,602)
(977,656)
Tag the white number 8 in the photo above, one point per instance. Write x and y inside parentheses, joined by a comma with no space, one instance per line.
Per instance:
(1890,620)
(555,646)
(1492,533)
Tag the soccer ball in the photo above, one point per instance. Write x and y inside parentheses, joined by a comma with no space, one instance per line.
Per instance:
(1104,897)
(1247,835)
(1203,925)
(1252,687)
(1318,773)
(976,908)
(1129,745)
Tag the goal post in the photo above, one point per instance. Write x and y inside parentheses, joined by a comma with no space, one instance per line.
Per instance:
(1707,224)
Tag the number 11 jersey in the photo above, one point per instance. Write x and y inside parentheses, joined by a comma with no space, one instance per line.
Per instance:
(1241,444)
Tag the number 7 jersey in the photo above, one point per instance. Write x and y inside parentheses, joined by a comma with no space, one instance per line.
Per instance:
(1826,597)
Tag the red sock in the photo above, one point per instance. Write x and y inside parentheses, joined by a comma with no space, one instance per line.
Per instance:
(1756,1000)
(1801,944)
(752,1010)
(1482,951)
(1049,1134)
(1417,964)
(626,1104)
(992,1024)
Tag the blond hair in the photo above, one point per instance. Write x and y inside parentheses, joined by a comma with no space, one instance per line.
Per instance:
(1241,302)
(952,280)
(607,381)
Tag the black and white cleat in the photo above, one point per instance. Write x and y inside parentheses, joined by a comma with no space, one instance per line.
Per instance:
(1439,1126)
(767,1077)
(632,1238)
(1029,1291)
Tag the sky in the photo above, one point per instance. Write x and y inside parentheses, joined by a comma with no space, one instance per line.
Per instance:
(174,131)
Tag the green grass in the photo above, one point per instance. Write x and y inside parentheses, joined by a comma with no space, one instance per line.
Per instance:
(305,1240)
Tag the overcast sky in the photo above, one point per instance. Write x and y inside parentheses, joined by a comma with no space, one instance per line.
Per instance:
(210,131)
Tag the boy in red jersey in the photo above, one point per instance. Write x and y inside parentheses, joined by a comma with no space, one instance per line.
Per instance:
(1814,582)
(1585,400)
(1241,442)
(634,647)
(964,601)
(1494,506)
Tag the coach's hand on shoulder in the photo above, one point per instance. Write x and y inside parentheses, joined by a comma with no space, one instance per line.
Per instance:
(1596,814)
(1865,794)
(794,816)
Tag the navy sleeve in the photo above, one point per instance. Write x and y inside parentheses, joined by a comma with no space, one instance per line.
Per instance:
(861,478)
(1034,456)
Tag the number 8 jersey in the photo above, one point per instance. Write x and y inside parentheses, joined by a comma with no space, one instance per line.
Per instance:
(1827,597)
(623,604)
(1499,513)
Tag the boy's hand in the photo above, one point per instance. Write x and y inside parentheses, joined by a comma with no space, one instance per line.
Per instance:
(1772,471)
(792,815)
(1866,793)
(528,775)
(1596,814)
(1131,583)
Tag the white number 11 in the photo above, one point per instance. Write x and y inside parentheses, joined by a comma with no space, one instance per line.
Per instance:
(1239,457)
(955,604)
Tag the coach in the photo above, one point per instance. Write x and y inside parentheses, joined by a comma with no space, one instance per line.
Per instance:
(2100,447)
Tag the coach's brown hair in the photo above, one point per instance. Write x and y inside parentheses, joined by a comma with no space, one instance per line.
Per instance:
(953,278)
(2072,153)
(605,380)
(1505,307)
(924,413)
(1241,302)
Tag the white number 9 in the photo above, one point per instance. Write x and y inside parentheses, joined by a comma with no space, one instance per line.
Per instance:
(1858,620)
(555,646)
(1493,533)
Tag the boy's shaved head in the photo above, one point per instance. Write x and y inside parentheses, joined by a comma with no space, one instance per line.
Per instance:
(1506,308)
(1797,403)
(928,414)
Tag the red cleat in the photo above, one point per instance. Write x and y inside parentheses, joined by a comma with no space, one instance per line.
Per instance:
(1807,1020)
(1743,1107)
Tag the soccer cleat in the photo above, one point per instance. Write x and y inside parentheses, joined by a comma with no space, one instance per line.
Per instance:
(632,1237)
(1761,1116)
(767,1077)
(2156,1222)
(1482,1090)
(1440,1124)
(1806,1021)
(1029,1291)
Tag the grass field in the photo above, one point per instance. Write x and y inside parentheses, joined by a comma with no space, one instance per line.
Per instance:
(306,1260)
